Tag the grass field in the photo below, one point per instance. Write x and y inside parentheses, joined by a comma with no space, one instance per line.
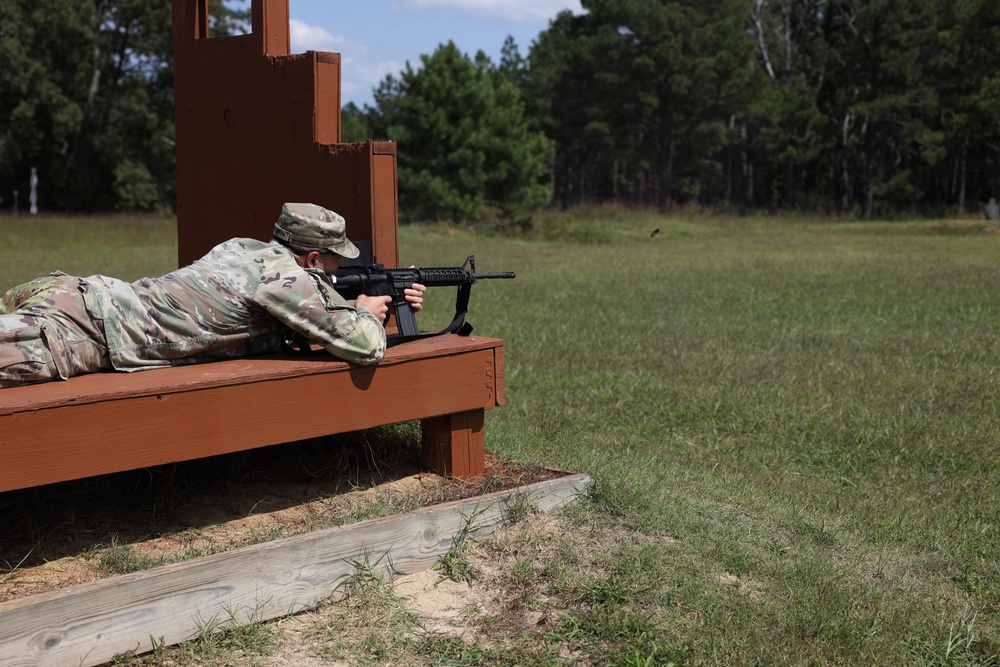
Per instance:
(792,424)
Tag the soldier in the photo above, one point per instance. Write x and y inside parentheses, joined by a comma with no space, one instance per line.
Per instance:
(237,300)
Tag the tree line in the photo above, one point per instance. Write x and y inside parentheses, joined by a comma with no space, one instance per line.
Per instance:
(858,107)
(86,98)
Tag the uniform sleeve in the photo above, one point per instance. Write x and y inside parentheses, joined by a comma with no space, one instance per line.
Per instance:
(307,303)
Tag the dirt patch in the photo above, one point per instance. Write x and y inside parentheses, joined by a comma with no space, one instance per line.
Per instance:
(443,605)
(398,620)
(61,535)
(509,606)
(743,585)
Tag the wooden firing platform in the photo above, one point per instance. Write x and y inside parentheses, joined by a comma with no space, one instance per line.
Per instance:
(111,422)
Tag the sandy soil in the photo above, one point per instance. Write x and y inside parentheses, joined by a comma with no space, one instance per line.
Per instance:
(61,535)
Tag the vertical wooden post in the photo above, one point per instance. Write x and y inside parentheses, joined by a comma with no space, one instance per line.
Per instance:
(190,20)
(455,444)
(271,27)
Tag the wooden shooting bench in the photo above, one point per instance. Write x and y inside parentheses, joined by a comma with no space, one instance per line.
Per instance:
(257,127)
(109,422)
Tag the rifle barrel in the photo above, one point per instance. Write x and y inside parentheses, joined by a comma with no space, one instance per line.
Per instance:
(490,276)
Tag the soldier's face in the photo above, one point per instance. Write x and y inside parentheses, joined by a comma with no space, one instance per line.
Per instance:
(329,262)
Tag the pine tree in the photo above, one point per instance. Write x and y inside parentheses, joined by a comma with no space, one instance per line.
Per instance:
(463,139)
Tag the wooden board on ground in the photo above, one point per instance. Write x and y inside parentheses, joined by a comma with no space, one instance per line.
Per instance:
(91,623)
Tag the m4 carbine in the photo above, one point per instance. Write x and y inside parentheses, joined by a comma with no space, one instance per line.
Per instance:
(376,280)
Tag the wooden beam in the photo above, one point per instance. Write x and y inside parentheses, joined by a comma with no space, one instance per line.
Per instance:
(91,623)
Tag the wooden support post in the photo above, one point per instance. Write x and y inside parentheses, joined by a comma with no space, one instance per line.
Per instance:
(455,444)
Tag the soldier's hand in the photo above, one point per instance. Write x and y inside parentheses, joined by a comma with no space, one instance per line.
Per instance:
(415,295)
(379,305)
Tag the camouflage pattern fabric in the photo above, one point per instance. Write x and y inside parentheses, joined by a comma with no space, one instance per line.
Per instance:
(312,227)
(237,300)
(47,333)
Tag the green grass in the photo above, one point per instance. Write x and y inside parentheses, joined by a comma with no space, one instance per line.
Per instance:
(808,405)
(124,246)
(797,419)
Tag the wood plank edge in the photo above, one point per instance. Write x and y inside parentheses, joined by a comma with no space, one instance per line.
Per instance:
(245,370)
(90,623)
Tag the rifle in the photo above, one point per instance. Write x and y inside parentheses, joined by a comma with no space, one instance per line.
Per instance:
(376,280)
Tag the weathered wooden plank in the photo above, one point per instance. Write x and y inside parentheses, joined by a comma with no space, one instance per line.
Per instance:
(91,623)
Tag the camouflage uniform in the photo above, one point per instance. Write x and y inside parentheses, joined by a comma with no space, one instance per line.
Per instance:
(237,300)
(46,332)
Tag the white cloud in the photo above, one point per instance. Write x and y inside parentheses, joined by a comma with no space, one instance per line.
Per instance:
(513,11)
(307,37)
(358,74)
(358,79)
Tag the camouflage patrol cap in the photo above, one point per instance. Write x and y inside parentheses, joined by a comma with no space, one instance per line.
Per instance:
(309,227)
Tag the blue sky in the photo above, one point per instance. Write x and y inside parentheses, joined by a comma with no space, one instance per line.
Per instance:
(378,37)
